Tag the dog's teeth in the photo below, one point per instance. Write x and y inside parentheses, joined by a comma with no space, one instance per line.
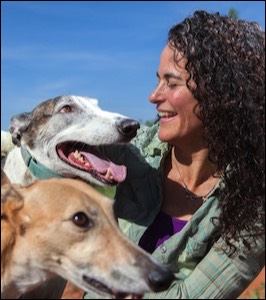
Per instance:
(81,159)
(108,175)
(76,154)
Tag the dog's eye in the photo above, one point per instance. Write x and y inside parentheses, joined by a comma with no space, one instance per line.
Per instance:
(81,220)
(66,109)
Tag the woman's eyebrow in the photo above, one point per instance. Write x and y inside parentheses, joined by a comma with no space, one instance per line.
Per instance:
(169,75)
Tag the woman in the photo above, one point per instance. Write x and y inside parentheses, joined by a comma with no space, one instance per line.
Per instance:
(194,194)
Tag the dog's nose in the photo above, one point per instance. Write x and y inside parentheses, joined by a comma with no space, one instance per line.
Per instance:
(160,279)
(128,128)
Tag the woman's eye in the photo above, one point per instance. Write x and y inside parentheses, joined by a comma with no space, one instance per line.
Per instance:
(66,109)
(171,85)
(81,220)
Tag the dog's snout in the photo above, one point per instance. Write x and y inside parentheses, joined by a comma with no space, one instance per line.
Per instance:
(128,128)
(160,279)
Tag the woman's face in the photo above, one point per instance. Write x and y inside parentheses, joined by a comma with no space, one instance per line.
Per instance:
(175,103)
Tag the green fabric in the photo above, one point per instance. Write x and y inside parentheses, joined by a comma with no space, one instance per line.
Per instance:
(37,169)
(106,191)
(203,270)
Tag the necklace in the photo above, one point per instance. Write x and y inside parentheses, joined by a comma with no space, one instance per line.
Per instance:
(190,195)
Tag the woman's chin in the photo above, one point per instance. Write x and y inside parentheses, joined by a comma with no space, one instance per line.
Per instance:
(165,136)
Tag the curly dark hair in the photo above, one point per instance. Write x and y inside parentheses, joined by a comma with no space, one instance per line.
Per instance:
(226,59)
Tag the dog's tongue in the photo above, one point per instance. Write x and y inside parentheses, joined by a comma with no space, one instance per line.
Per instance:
(101,164)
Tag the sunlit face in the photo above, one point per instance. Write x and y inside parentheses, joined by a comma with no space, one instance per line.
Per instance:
(175,103)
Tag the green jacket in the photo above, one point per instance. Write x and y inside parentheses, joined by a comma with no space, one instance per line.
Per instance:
(196,254)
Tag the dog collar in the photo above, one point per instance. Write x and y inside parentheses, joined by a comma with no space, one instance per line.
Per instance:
(37,169)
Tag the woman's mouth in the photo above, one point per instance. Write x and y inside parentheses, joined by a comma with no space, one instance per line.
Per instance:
(166,116)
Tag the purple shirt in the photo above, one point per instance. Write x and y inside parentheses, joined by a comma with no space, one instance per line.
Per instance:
(161,229)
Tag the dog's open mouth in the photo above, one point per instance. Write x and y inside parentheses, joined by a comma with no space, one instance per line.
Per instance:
(89,159)
(103,289)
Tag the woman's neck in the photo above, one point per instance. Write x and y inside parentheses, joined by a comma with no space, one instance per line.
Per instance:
(193,168)
(188,181)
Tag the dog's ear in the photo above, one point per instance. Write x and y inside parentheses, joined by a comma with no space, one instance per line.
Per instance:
(4,178)
(11,201)
(19,124)
(9,192)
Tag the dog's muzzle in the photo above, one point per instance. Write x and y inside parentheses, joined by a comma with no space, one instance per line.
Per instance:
(128,128)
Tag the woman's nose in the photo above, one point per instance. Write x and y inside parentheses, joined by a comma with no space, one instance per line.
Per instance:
(152,97)
(155,95)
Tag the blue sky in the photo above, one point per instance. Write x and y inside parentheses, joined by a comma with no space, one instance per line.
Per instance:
(107,50)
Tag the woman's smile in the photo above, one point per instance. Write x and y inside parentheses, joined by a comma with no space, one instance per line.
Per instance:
(166,116)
